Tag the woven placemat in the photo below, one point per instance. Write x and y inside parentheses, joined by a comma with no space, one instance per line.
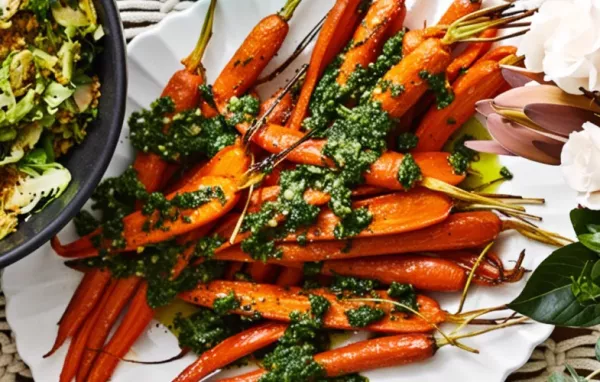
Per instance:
(574,347)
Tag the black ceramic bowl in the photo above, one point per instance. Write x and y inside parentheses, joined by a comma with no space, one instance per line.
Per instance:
(88,161)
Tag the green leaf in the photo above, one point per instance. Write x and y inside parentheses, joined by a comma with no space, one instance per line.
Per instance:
(548,297)
(597,349)
(557,377)
(585,221)
(591,240)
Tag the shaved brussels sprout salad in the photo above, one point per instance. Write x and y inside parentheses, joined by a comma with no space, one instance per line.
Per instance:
(48,96)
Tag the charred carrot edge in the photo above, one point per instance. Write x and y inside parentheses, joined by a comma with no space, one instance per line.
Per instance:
(337,29)
(483,80)
(458,231)
(232,349)
(290,277)
(472,52)
(366,355)
(251,58)
(276,303)
(103,323)
(369,37)
(431,56)
(82,303)
(137,319)
(78,343)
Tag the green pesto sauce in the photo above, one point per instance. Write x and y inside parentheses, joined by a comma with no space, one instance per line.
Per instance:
(189,132)
(244,109)
(204,329)
(206,246)
(409,172)
(440,88)
(484,173)
(312,268)
(354,286)
(404,294)
(364,316)
(170,210)
(155,265)
(226,304)
(406,142)
(292,359)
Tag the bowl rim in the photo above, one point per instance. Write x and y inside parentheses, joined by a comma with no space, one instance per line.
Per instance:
(112,23)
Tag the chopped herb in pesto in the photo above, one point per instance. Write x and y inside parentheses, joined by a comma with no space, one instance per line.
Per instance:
(354,285)
(171,210)
(312,268)
(440,88)
(85,223)
(206,246)
(406,142)
(364,316)
(505,173)
(292,359)
(409,172)
(226,304)
(207,94)
(155,265)
(462,156)
(243,109)
(404,294)
(205,329)
(354,223)
(189,131)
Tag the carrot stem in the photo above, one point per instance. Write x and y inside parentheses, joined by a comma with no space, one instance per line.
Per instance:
(463,298)
(288,9)
(193,62)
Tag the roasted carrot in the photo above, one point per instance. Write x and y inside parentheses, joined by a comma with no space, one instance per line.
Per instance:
(137,236)
(229,164)
(104,321)
(137,318)
(290,277)
(383,173)
(484,80)
(499,53)
(366,355)
(82,303)
(432,57)
(397,24)
(457,9)
(71,364)
(262,272)
(466,58)
(276,303)
(459,231)
(339,26)
(282,111)
(251,58)
(232,349)
(369,37)
(184,90)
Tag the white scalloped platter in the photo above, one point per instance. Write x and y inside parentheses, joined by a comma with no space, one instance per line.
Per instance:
(38,287)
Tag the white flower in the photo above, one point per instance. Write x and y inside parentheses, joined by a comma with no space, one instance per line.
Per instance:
(580,164)
(564,43)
